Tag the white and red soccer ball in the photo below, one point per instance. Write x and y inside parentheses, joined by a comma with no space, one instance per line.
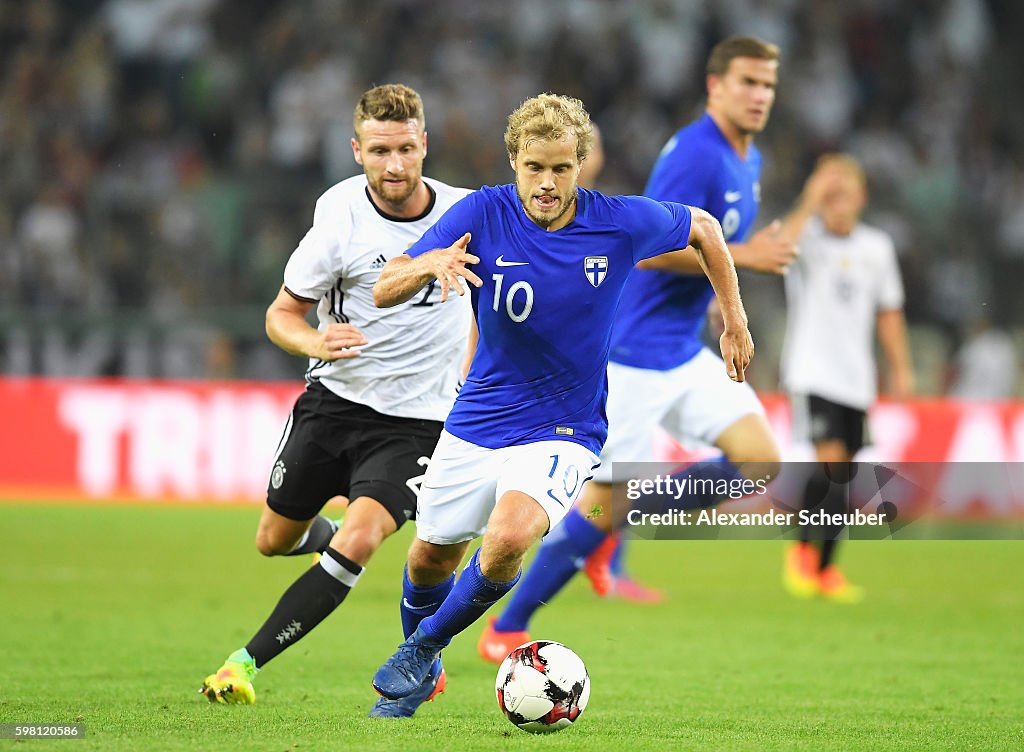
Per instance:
(542,686)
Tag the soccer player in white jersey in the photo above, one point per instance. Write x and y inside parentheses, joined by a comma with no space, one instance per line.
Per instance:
(379,384)
(843,287)
(547,261)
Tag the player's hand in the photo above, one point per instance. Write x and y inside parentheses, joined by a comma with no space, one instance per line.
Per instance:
(737,351)
(448,265)
(336,343)
(771,252)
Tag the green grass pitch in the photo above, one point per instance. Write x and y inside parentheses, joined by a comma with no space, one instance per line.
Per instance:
(112,615)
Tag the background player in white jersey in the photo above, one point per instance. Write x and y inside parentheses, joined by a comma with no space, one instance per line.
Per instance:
(845,285)
(380,383)
(660,372)
(549,263)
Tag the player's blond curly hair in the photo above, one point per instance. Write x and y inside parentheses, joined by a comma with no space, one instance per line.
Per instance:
(389,103)
(550,117)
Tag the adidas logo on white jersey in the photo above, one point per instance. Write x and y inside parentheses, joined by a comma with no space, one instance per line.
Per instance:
(378,263)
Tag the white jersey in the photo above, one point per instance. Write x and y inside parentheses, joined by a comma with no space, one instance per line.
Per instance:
(834,291)
(410,367)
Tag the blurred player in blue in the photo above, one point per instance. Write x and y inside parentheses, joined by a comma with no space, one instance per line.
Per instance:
(547,262)
(660,372)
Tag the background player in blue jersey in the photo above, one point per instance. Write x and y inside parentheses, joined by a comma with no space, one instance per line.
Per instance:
(548,262)
(660,371)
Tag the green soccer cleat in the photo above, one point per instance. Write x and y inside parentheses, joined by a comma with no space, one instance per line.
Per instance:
(232,684)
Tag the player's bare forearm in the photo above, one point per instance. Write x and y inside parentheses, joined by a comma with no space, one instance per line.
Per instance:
(286,324)
(793,224)
(683,262)
(713,255)
(287,328)
(400,279)
(767,251)
(402,276)
(736,344)
(808,204)
(892,335)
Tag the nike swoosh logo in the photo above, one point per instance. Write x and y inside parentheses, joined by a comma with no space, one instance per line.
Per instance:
(405,602)
(496,650)
(731,197)
(500,261)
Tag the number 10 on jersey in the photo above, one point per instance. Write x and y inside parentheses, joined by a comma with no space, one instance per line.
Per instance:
(510,298)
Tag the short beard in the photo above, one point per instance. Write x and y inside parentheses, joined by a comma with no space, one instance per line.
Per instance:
(396,204)
(545,222)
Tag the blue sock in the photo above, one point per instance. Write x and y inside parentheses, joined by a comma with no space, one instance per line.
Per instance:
(703,494)
(616,563)
(472,595)
(420,602)
(559,558)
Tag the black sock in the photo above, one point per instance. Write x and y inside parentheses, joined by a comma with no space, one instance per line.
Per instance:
(308,601)
(815,491)
(316,538)
(828,547)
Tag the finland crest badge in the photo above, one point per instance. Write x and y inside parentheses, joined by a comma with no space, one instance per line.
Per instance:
(596,269)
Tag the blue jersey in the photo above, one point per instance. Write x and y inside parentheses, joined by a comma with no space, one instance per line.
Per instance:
(545,310)
(662,314)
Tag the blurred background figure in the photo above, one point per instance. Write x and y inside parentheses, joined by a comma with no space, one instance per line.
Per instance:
(844,286)
(985,366)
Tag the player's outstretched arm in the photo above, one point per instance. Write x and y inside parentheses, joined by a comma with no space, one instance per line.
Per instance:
(403,275)
(809,202)
(767,251)
(709,243)
(288,329)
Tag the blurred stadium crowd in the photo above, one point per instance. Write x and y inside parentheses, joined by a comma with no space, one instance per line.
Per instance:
(159,158)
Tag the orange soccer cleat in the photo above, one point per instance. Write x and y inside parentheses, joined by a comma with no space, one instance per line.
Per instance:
(630,590)
(833,586)
(495,646)
(800,570)
(598,566)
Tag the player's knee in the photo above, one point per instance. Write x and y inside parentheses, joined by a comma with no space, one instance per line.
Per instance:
(358,543)
(270,545)
(508,545)
(762,460)
(430,564)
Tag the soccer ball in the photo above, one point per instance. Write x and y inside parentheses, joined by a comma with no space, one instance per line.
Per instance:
(542,686)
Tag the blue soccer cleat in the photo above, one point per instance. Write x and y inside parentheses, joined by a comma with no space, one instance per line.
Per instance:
(431,687)
(405,671)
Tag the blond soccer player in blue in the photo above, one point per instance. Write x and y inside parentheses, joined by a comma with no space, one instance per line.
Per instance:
(547,263)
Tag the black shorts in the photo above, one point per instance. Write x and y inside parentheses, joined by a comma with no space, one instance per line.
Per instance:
(827,420)
(332,446)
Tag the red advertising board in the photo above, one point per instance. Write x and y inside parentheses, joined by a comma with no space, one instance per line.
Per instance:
(140,439)
(215,441)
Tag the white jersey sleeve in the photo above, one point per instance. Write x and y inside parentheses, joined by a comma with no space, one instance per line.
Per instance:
(319,260)
(890,281)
